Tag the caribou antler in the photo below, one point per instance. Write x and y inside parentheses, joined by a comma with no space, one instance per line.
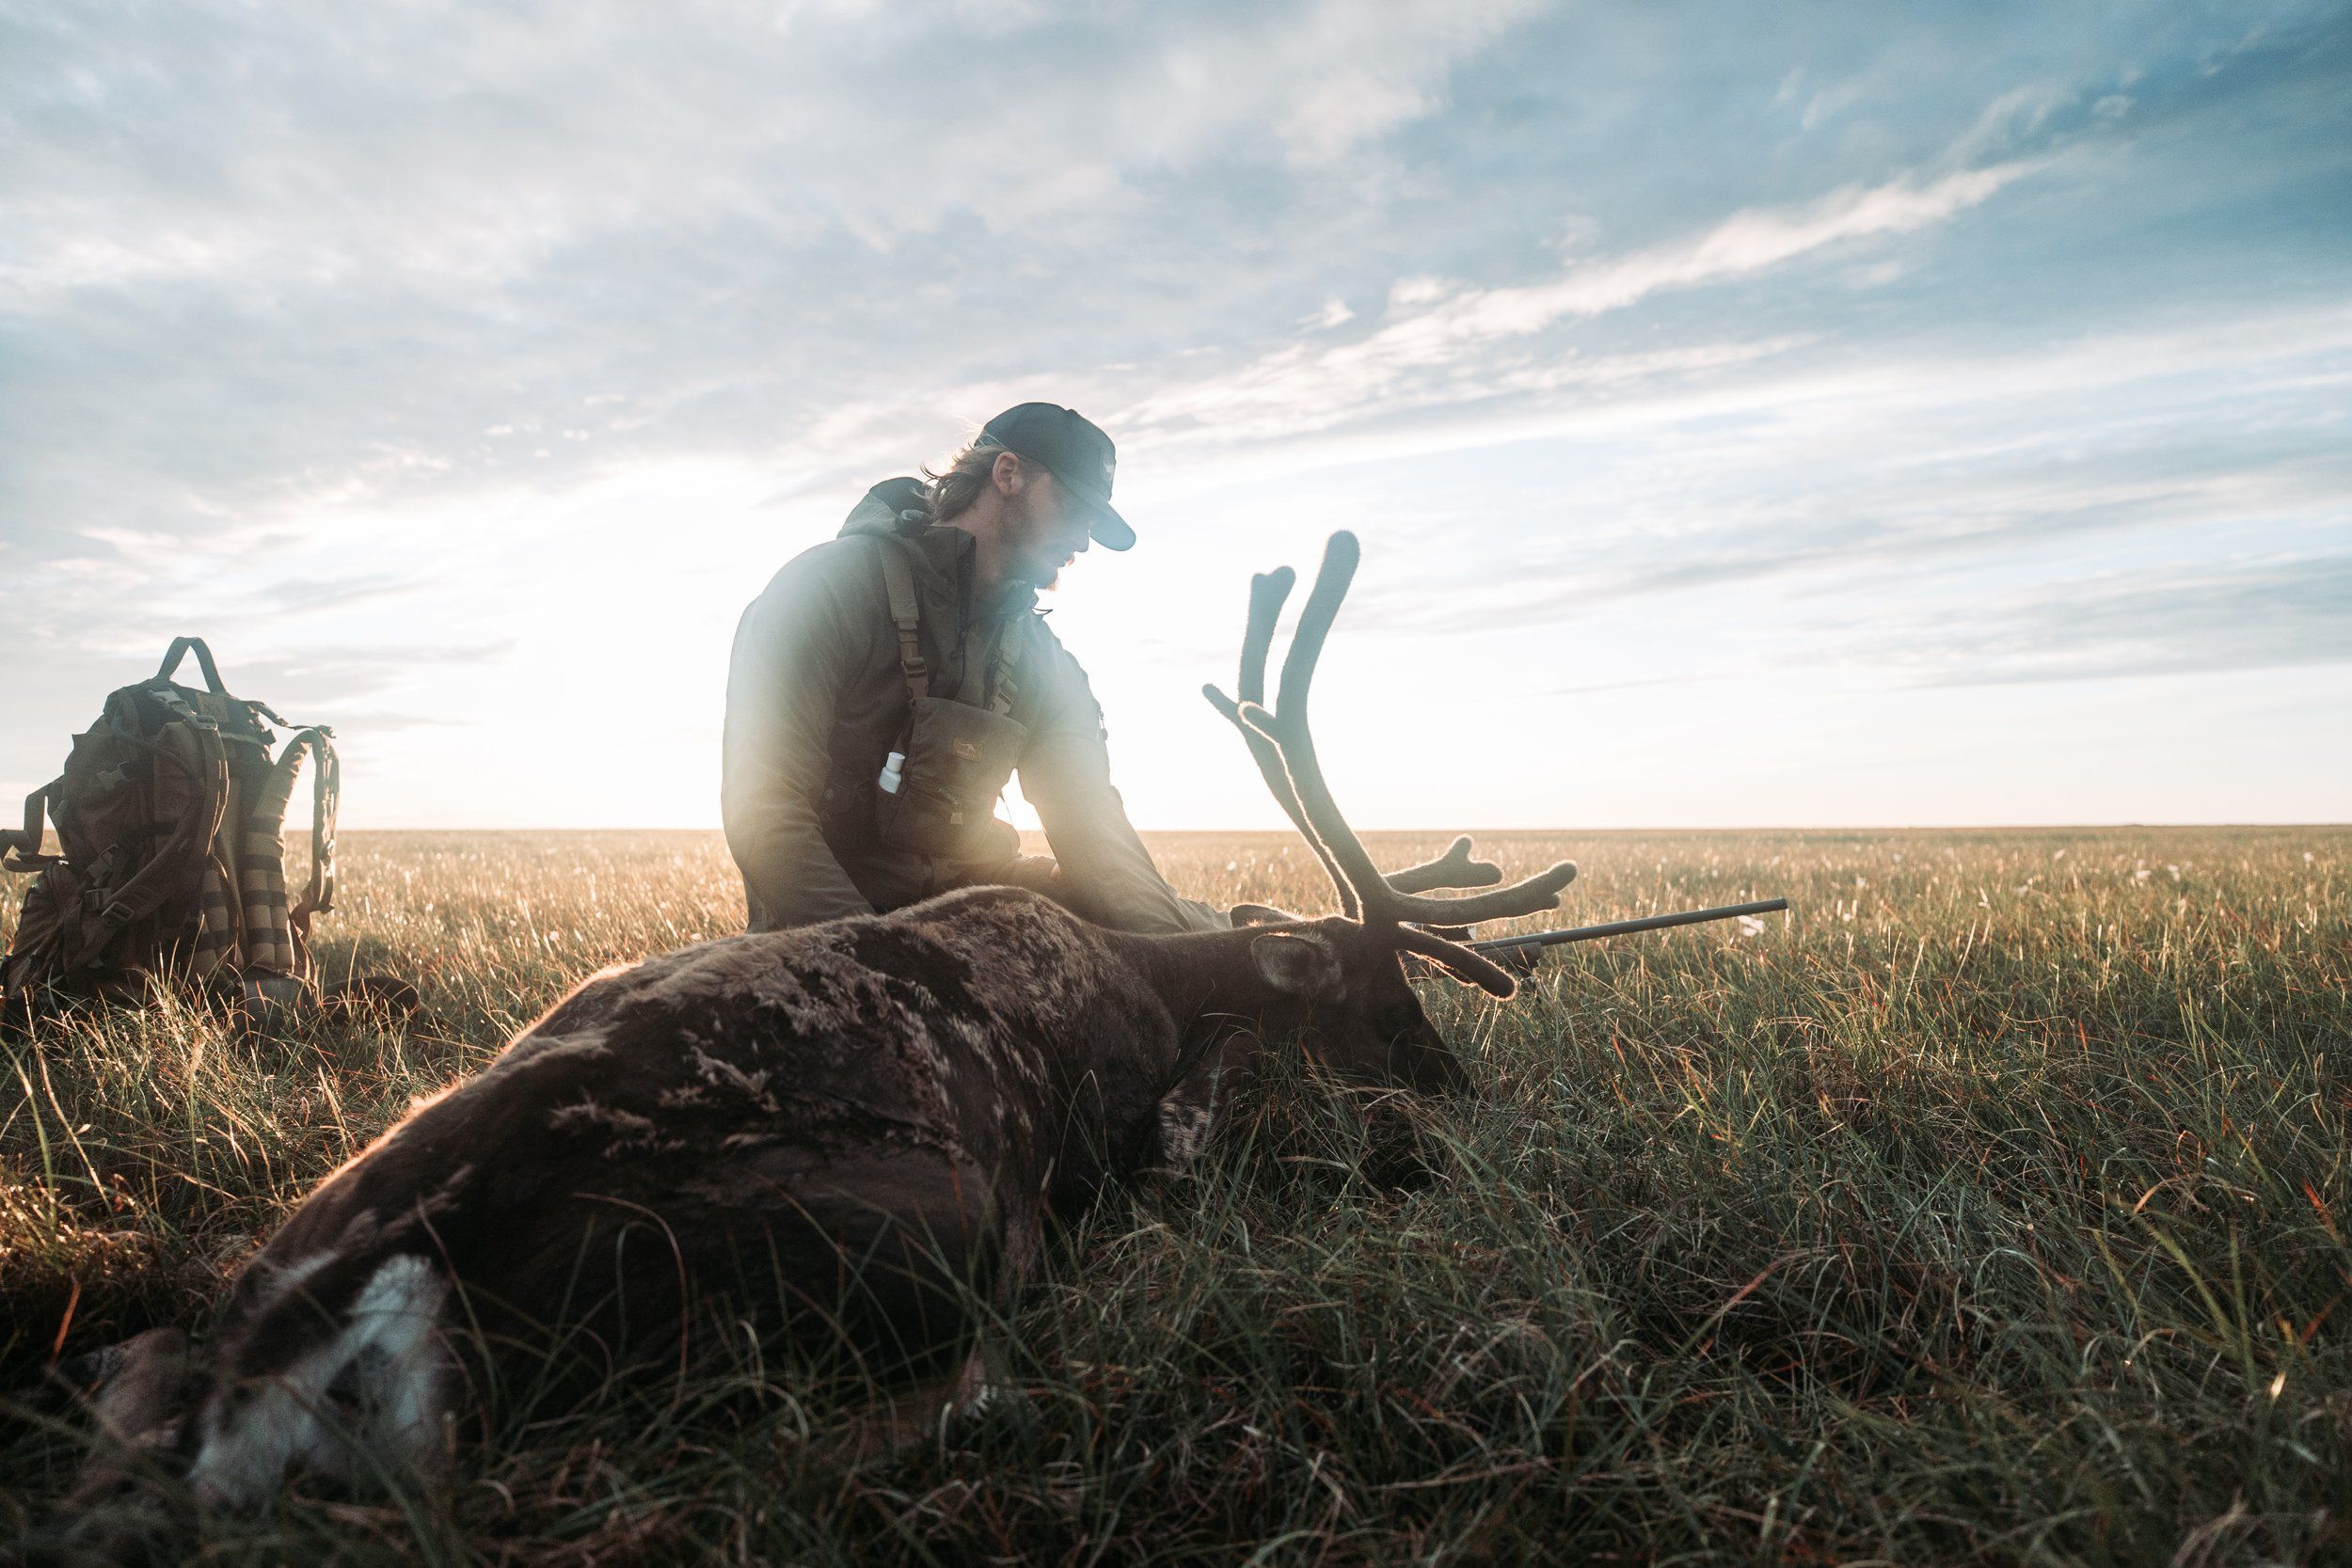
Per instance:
(1300,785)
(1454,868)
(1269,591)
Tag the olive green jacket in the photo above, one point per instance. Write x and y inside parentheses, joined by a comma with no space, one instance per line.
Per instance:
(817,700)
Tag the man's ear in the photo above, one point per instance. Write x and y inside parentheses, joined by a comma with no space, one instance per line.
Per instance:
(1298,962)
(1008,474)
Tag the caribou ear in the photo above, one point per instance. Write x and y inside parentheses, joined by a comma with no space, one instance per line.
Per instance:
(1300,963)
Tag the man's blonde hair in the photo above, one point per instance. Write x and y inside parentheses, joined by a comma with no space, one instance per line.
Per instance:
(958,483)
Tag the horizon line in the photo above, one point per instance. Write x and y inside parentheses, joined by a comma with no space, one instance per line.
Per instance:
(2282,824)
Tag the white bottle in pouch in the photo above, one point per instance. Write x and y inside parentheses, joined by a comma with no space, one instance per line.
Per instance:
(890,773)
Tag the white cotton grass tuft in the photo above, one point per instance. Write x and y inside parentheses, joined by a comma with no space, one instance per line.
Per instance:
(1751,927)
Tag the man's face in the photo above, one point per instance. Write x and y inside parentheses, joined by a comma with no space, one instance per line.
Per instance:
(1045,527)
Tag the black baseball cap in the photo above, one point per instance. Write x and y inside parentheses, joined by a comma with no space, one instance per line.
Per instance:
(1076,451)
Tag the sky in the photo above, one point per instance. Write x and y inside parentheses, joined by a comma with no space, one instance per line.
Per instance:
(1752,414)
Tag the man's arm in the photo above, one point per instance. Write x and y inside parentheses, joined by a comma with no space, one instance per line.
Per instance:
(1108,875)
(799,642)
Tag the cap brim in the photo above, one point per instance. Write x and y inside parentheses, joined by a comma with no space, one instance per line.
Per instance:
(1109,529)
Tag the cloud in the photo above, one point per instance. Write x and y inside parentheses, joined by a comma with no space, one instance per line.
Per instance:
(425,317)
(2246,615)
(369,723)
(277,263)
(305,595)
(1442,351)
(1595,688)
(320,678)
(1353,71)
(442,143)
(1829,478)
(269,265)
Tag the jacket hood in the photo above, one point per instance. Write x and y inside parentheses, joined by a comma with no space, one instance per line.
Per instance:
(901,508)
(883,508)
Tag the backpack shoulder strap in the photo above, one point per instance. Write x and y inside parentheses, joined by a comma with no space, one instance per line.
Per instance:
(905,613)
(23,848)
(1004,656)
(326,788)
(277,937)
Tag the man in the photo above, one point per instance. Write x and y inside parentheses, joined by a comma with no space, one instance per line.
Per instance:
(885,681)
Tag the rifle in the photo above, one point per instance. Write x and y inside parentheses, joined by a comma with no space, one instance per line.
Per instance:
(1526,947)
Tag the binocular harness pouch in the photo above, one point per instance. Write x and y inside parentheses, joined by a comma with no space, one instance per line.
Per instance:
(956,757)
(959,758)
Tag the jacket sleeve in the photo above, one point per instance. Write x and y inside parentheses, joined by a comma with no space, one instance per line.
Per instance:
(1107,874)
(798,643)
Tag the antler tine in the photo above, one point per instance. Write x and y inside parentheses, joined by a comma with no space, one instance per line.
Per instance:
(1454,868)
(1269,591)
(1458,961)
(1287,726)
(1289,729)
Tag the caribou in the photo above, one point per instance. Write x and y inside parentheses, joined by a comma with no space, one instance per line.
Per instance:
(853,1137)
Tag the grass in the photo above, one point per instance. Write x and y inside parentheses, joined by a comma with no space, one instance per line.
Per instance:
(1991,1208)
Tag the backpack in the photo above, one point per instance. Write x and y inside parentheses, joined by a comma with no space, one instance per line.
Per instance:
(171,867)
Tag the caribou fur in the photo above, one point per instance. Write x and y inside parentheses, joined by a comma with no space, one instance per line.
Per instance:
(854,1135)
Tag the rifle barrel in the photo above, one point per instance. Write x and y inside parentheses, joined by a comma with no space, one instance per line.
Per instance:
(1623,927)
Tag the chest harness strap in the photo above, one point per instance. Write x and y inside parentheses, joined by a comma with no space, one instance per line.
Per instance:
(998,691)
(899,579)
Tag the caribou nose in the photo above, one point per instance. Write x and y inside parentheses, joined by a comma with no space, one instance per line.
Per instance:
(1440,1071)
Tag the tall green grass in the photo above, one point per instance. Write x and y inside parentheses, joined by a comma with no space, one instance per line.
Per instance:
(1989,1208)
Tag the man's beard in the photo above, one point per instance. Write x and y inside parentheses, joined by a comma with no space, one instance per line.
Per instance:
(1032,538)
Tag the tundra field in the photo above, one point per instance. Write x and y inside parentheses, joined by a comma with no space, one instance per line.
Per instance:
(1992,1207)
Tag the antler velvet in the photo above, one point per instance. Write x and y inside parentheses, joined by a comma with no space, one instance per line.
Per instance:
(1283,744)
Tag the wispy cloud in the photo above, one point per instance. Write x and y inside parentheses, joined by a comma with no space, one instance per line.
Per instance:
(324,678)
(1831,478)
(1439,340)
(2244,616)
(312,595)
